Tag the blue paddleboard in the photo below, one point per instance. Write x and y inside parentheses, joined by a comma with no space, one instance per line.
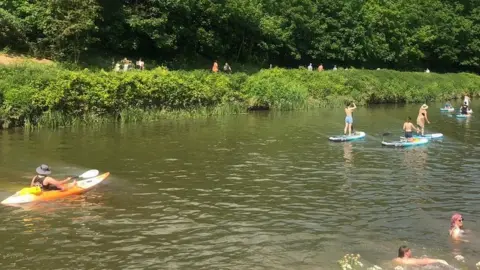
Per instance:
(429,136)
(343,138)
(405,143)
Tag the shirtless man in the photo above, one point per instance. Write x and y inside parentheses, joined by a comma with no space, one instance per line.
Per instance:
(408,127)
(349,119)
(422,117)
(405,257)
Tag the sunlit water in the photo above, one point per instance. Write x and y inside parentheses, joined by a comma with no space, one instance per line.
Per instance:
(253,191)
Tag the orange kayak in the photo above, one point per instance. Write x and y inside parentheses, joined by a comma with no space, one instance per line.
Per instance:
(81,187)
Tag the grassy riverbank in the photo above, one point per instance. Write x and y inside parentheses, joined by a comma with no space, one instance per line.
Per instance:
(48,95)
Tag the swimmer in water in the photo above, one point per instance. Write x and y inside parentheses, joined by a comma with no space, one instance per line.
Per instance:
(405,258)
(456,226)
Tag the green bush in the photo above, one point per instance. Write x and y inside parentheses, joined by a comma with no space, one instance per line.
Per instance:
(33,94)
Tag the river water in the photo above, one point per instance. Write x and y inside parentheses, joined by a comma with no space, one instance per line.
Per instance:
(251,191)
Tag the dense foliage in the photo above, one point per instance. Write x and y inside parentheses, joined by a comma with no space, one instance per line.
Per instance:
(442,35)
(48,95)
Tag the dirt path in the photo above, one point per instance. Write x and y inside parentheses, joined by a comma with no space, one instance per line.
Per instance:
(8,60)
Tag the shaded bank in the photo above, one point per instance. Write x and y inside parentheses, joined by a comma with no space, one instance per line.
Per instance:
(46,95)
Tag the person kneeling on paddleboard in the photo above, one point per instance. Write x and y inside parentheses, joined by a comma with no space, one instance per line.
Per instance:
(45,182)
(408,127)
(464,109)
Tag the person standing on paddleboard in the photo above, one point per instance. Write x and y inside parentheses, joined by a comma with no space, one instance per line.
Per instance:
(408,127)
(422,117)
(466,100)
(349,119)
(45,182)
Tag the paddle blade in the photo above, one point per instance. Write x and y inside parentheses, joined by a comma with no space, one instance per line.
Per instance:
(89,174)
(386,134)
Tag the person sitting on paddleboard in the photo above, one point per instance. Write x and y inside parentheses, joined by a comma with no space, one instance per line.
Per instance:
(405,257)
(448,105)
(349,119)
(45,182)
(408,127)
(464,109)
(422,117)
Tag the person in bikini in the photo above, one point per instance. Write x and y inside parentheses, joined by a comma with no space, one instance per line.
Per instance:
(408,127)
(422,117)
(405,258)
(349,119)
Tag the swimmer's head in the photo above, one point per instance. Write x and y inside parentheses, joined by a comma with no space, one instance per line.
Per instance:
(409,119)
(456,220)
(404,252)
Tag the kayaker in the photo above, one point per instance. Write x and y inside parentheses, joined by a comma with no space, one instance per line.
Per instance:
(349,119)
(408,127)
(45,182)
(422,117)
(405,257)
(448,105)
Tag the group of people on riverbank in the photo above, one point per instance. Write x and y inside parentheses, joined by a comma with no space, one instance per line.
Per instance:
(127,64)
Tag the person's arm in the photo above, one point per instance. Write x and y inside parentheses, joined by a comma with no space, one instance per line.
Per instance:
(416,128)
(426,117)
(423,261)
(31,184)
(58,184)
(354,106)
(404,126)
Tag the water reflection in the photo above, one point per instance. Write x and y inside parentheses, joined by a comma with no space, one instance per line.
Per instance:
(348,154)
(416,158)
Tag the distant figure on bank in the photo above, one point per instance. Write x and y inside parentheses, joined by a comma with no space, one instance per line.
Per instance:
(117,67)
(310,67)
(349,119)
(335,67)
(422,117)
(140,64)
(270,65)
(215,66)
(405,257)
(408,127)
(320,68)
(227,68)
(427,71)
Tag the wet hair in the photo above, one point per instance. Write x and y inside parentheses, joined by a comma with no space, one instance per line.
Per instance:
(455,217)
(409,119)
(402,250)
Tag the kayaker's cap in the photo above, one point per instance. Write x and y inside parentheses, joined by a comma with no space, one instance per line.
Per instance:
(43,170)
(424,106)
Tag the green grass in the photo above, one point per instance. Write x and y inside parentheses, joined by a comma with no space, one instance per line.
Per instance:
(34,95)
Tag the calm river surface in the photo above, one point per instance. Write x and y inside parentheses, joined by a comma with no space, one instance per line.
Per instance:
(252,191)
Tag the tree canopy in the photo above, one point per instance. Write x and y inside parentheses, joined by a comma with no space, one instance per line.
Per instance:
(402,34)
